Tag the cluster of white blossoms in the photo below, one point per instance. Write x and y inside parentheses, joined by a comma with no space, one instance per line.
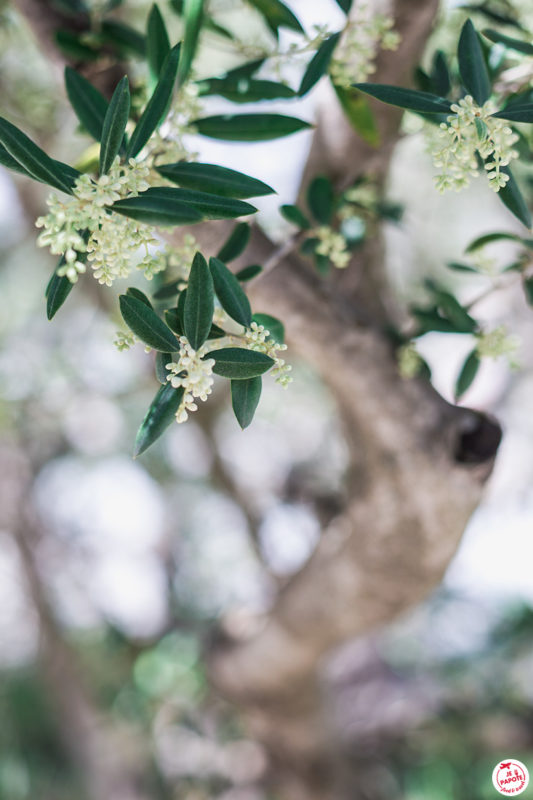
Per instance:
(333,245)
(469,131)
(124,340)
(365,194)
(194,373)
(112,241)
(497,343)
(258,338)
(366,33)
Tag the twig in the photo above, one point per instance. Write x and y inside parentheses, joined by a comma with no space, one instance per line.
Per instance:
(281,253)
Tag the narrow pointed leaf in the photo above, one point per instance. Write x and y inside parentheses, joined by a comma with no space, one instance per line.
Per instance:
(507,41)
(409,99)
(457,266)
(430,320)
(114,126)
(172,318)
(124,38)
(154,209)
(346,5)
(134,292)
(174,321)
(440,74)
(490,13)
(472,65)
(273,325)
(454,312)
(57,291)
(213,26)
(423,81)
(245,90)
(487,238)
(248,273)
(320,199)
(240,364)
(192,15)
(230,293)
(249,127)
(358,112)
(157,42)
(512,197)
(157,106)
(158,417)
(236,243)
(145,324)
(199,303)
(522,112)
(210,206)
(180,308)
(245,397)
(319,64)
(245,70)
(72,46)
(295,216)
(467,374)
(528,289)
(277,15)
(161,371)
(90,106)
(32,159)
(7,160)
(214,179)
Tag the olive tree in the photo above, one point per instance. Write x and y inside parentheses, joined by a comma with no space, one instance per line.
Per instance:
(142,201)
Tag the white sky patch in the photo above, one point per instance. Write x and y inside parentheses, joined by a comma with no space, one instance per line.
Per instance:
(288,536)
(130,590)
(113,503)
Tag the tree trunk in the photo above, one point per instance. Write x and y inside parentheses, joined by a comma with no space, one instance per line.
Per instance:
(417,465)
(417,470)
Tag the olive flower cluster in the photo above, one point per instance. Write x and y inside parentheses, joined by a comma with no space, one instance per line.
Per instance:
(469,131)
(258,338)
(365,35)
(333,245)
(496,343)
(194,373)
(113,240)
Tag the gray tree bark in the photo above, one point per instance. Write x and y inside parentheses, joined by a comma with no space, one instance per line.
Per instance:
(418,466)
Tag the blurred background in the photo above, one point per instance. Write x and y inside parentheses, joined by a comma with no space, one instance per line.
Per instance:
(113,572)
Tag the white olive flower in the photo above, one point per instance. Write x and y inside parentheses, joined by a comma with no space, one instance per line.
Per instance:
(124,340)
(258,338)
(469,131)
(194,373)
(366,33)
(497,343)
(333,245)
(114,240)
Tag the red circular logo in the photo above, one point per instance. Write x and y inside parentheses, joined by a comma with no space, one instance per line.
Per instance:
(510,777)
